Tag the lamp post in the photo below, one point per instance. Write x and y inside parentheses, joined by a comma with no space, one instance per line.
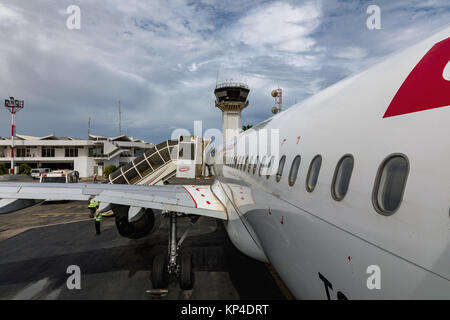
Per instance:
(278,95)
(13,107)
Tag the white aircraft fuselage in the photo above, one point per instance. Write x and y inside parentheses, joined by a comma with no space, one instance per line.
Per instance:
(323,247)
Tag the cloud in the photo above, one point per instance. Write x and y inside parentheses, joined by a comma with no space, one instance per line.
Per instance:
(162,58)
(10,17)
(349,53)
(279,27)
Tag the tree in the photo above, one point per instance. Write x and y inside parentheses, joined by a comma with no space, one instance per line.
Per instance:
(3,170)
(247,127)
(24,169)
(108,170)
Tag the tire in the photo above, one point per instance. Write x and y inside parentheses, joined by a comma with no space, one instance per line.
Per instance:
(159,272)
(187,276)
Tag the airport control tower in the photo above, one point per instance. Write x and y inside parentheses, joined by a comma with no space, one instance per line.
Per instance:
(231,98)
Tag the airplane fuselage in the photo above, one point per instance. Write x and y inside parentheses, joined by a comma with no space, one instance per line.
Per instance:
(328,246)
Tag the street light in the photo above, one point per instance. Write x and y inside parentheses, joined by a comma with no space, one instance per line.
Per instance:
(278,95)
(13,107)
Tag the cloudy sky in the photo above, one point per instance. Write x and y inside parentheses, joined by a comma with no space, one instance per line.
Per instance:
(162,58)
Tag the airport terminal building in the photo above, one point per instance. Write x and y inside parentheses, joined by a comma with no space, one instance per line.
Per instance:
(86,156)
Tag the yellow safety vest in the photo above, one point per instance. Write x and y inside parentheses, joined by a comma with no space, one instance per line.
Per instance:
(98,216)
(93,204)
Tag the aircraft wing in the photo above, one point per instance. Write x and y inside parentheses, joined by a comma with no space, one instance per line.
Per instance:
(189,199)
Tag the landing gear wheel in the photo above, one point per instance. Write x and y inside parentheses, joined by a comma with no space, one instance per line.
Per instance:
(159,272)
(186,276)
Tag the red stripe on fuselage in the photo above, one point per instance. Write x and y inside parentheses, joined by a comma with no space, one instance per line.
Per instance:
(425,87)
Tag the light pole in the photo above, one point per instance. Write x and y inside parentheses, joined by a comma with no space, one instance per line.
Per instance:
(13,107)
(278,95)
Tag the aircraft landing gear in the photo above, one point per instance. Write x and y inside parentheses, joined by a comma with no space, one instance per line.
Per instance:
(159,272)
(174,265)
(186,274)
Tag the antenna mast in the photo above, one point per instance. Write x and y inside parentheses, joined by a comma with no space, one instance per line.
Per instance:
(120,120)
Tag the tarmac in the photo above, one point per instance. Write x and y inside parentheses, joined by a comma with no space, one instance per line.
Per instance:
(39,243)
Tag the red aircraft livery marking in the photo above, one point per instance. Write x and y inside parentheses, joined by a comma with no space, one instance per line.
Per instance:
(425,87)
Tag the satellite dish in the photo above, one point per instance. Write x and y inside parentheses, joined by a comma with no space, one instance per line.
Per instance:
(275,110)
(274,93)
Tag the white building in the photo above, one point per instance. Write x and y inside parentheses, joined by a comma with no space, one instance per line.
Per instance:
(86,156)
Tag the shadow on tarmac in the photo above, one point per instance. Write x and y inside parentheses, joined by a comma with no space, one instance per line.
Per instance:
(34,263)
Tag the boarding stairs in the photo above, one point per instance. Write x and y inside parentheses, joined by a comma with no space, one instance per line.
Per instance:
(155,166)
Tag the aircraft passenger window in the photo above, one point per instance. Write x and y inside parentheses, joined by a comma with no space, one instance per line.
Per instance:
(255,164)
(313,173)
(341,178)
(241,163)
(280,168)
(294,170)
(261,165)
(269,166)
(245,164)
(390,184)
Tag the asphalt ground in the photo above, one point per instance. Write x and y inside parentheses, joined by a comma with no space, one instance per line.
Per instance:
(39,243)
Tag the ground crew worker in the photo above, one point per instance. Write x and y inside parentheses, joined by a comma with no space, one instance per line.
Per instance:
(93,206)
(98,218)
